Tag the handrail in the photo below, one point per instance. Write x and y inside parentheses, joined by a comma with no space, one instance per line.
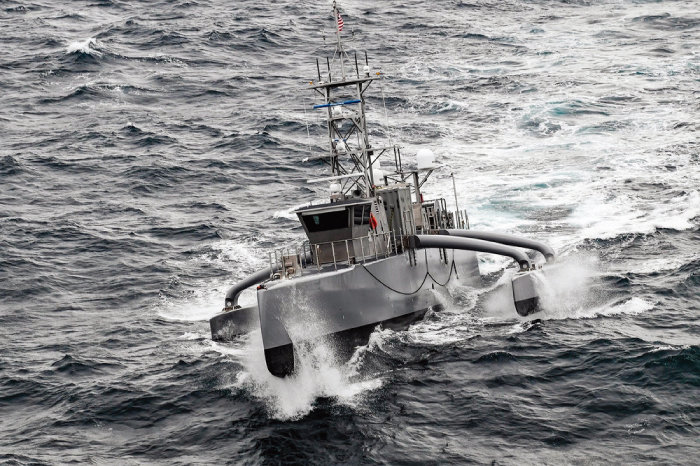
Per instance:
(369,250)
(394,241)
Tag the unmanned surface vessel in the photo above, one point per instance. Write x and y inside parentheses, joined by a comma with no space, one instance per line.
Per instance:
(377,253)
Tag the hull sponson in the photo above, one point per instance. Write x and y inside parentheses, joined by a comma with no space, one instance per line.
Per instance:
(331,303)
(227,325)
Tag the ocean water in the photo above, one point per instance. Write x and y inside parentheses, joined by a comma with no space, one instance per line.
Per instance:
(151,154)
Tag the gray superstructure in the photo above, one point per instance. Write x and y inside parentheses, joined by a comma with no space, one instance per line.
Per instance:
(377,253)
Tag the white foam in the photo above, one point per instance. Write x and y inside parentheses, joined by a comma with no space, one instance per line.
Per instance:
(86,46)
(376,342)
(200,305)
(603,216)
(236,351)
(453,324)
(238,253)
(566,291)
(632,306)
(661,264)
(287,213)
(317,375)
(658,348)
(205,301)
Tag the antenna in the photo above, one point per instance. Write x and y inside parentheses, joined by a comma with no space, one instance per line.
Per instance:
(338,28)
(350,154)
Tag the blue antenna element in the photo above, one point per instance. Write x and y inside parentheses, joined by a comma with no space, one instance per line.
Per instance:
(334,104)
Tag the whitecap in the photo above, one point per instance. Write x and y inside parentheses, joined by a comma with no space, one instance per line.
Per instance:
(86,46)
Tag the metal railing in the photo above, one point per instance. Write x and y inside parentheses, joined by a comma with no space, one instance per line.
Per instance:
(292,261)
(378,245)
(444,219)
(461,219)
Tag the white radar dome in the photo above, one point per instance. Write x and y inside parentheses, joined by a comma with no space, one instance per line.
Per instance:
(426,159)
(335,188)
(378,175)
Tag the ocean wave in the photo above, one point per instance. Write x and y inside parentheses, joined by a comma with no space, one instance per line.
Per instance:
(9,166)
(204,231)
(84,47)
(75,367)
(668,22)
(151,159)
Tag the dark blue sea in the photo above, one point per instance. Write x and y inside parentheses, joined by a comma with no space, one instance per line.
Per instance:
(151,155)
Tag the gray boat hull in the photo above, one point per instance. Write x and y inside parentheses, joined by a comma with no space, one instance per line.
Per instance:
(344,306)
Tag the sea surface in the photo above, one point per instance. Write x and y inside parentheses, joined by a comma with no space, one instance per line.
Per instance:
(151,155)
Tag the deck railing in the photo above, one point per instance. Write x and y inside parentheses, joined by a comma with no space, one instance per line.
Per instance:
(292,261)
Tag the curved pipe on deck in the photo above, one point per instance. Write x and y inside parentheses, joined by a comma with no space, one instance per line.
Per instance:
(502,238)
(469,244)
(251,280)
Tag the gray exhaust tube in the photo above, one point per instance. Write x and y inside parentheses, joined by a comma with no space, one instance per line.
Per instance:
(525,296)
(234,320)
(469,244)
(524,284)
(251,280)
(503,238)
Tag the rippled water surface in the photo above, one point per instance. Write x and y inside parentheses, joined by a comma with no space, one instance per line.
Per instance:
(150,155)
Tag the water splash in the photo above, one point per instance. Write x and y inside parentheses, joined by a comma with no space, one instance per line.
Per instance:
(317,375)
(565,290)
(205,301)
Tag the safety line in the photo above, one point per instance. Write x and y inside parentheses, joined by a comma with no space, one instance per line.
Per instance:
(427,274)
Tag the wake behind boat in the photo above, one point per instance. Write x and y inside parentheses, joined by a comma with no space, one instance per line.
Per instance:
(377,253)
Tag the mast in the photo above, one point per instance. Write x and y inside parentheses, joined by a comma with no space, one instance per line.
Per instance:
(350,154)
(349,151)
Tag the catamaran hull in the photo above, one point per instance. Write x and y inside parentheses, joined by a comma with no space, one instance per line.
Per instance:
(342,307)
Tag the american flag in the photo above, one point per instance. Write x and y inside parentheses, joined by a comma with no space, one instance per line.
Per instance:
(340,23)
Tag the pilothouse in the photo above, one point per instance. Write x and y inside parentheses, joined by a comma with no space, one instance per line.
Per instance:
(376,253)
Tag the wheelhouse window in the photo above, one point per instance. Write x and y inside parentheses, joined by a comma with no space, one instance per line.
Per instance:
(326,221)
(361,214)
